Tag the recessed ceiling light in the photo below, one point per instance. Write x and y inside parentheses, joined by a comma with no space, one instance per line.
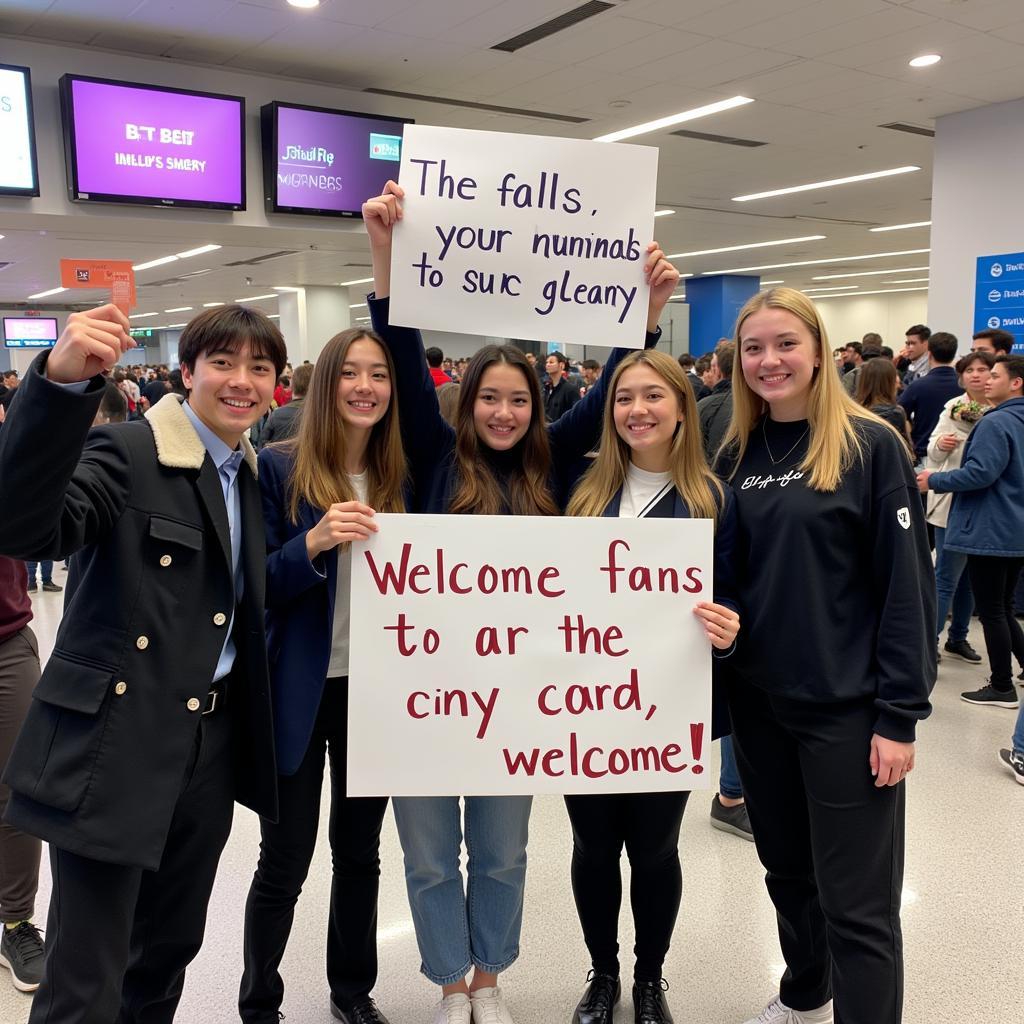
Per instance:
(154,263)
(197,252)
(43,295)
(926,60)
(657,213)
(869,273)
(362,280)
(780,281)
(665,122)
(178,309)
(305,5)
(273,316)
(751,245)
(141,316)
(257,298)
(172,326)
(908,280)
(900,227)
(356,305)
(880,291)
(831,288)
(814,263)
(826,184)
(210,305)
(285,288)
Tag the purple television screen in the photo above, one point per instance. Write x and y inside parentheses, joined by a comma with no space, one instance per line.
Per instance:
(326,161)
(167,147)
(30,331)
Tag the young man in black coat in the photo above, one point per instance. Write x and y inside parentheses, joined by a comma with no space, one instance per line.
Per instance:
(152,716)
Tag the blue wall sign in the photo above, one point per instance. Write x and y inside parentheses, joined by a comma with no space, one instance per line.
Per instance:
(999,295)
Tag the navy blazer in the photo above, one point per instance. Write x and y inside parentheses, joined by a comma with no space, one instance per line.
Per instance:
(673,507)
(300,612)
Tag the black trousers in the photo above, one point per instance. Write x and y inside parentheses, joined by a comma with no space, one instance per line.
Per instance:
(647,824)
(832,846)
(286,849)
(118,939)
(993,581)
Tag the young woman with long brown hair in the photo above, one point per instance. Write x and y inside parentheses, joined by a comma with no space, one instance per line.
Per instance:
(650,464)
(320,491)
(500,458)
(835,664)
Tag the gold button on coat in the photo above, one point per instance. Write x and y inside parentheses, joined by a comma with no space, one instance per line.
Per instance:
(120,687)
(165,560)
(193,704)
(142,643)
(219,619)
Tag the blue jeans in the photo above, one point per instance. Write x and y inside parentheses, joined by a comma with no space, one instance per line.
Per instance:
(729,779)
(45,570)
(456,930)
(952,586)
(1018,732)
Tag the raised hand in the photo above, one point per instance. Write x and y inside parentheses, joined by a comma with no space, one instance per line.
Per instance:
(90,343)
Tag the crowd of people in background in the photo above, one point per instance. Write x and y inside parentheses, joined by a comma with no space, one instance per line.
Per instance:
(925,445)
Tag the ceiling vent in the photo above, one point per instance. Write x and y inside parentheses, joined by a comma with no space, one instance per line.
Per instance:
(912,129)
(257,260)
(542,115)
(550,28)
(723,140)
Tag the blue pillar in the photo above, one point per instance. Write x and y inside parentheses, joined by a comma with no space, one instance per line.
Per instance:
(714,303)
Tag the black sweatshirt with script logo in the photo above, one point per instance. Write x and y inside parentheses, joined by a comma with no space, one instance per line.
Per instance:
(838,591)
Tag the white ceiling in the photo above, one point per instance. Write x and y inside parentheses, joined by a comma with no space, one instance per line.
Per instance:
(825,74)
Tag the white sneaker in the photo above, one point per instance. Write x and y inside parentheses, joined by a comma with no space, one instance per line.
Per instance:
(776,1012)
(489,1007)
(454,1009)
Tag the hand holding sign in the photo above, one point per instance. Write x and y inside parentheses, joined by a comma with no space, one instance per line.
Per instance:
(90,343)
(343,522)
(380,215)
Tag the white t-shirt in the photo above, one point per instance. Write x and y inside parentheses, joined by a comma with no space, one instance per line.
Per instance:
(338,665)
(642,491)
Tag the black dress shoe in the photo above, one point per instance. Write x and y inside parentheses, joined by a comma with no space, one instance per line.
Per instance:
(649,1006)
(363,1011)
(603,992)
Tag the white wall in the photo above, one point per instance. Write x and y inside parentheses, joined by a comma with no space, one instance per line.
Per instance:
(888,315)
(977,205)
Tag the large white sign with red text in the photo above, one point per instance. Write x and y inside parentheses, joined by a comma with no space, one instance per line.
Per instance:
(499,655)
(523,236)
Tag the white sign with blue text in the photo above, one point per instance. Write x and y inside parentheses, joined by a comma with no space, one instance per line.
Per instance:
(999,295)
(484,663)
(523,236)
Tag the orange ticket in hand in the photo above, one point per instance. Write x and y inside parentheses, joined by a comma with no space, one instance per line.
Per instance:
(117,275)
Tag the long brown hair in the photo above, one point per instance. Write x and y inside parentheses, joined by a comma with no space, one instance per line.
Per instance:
(318,468)
(831,412)
(525,490)
(696,484)
(876,383)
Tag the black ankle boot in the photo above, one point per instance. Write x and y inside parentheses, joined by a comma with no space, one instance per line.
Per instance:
(649,1006)
(603,992)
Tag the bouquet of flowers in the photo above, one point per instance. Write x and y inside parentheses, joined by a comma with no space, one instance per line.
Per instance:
(965,412)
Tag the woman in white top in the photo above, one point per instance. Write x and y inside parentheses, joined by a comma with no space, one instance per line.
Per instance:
(945,450)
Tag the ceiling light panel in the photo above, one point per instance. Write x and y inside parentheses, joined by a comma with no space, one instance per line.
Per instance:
(832,183)
(667,122)
(902,227)
(815,263)
(749,245)
(868,273)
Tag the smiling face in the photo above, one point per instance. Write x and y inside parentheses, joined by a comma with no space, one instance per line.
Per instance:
(364,386)
(779,356)
(503,407)
(647,413)
(230,391)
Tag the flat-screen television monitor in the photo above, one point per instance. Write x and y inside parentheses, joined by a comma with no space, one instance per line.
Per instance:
(130,143)
(326,162)
(19,172)
(30,331)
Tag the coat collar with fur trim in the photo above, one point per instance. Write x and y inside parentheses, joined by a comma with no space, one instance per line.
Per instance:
(177,444)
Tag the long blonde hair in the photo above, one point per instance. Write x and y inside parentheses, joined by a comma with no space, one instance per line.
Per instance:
(831,413)
(696,484)
(318,468)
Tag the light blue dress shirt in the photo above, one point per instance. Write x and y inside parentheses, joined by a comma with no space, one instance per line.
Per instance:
(228,463)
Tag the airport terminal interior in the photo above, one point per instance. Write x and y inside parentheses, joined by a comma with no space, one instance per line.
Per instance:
(866,152)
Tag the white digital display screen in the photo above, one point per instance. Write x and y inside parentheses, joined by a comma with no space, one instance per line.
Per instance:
(18,173)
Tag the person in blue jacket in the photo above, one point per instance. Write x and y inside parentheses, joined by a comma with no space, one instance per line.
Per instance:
(498,459)
(650,463)
(320,491)
(986,522)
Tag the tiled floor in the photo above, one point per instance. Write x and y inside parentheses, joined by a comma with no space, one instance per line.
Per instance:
(963,913)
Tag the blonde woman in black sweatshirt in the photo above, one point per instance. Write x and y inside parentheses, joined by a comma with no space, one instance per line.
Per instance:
(835,666)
